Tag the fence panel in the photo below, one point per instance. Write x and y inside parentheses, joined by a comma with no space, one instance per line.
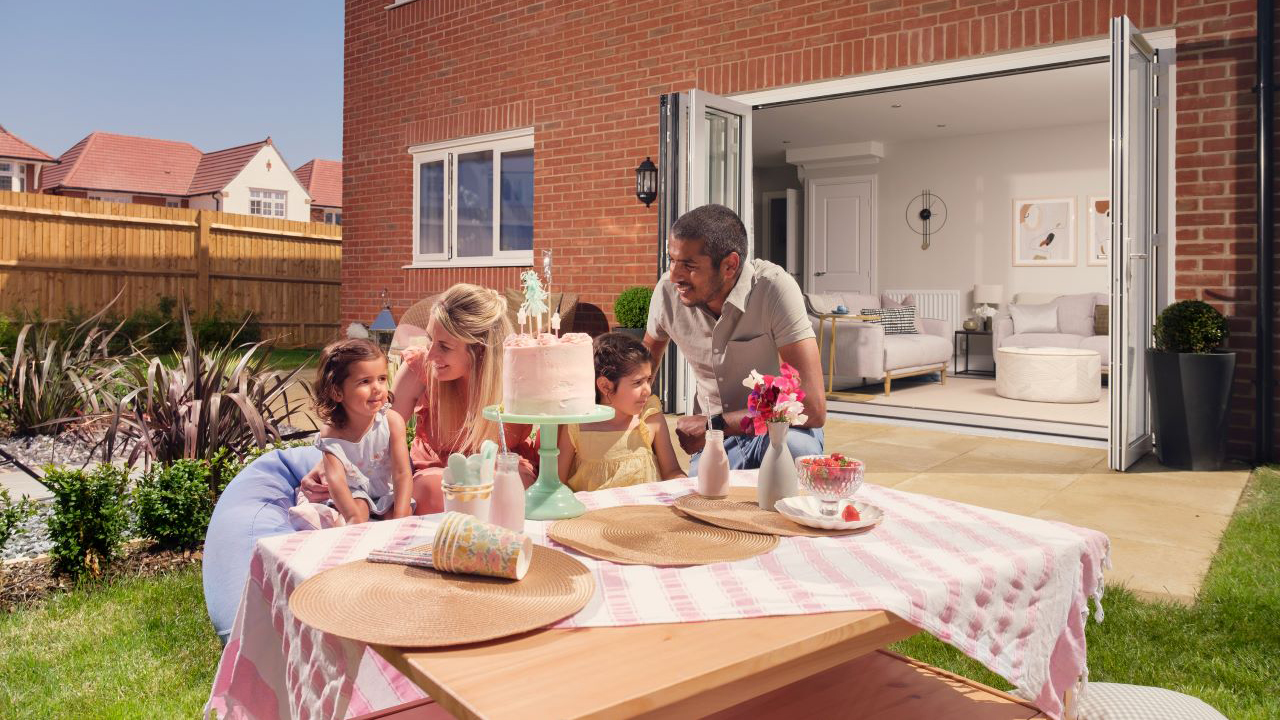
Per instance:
(59,252)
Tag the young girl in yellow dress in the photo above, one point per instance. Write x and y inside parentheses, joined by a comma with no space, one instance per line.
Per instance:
(632,448)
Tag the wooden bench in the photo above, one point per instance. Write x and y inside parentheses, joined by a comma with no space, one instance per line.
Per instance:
(880,685)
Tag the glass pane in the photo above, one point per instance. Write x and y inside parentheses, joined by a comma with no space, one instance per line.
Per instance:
(723,144)
(6,182)
(431,208)
(475,204)
(1138,211)
(516,218)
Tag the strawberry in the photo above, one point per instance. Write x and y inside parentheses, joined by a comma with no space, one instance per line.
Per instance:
(850,514)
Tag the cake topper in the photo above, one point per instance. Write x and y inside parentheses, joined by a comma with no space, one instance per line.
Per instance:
(534,298)
(546,273)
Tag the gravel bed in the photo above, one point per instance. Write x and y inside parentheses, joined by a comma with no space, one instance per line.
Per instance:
(68,448)
(31,537)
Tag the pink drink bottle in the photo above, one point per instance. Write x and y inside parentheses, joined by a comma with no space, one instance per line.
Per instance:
(713,467)
(507,508)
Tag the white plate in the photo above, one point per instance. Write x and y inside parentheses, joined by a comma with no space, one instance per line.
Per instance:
(804,510)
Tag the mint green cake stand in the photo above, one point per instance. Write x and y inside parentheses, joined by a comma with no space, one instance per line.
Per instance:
(548,498)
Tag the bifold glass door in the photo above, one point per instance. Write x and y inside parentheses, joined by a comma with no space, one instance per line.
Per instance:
(1137,142)
(705,144)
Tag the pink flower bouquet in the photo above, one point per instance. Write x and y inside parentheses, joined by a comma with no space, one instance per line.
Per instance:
(773,398)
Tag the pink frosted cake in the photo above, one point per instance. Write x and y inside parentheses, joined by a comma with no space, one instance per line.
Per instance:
(548,375)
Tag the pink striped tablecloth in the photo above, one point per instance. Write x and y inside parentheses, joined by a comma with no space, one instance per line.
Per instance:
(1009,591)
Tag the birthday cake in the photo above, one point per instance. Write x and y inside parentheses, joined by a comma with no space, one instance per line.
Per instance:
(548,375)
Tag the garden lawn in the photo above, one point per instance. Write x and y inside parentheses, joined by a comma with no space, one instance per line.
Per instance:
(1224,649)
(137,648)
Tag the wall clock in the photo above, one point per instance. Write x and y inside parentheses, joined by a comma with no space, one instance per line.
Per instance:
(926,214)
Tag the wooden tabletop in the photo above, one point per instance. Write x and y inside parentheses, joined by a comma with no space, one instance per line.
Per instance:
(846,316)
(682,670)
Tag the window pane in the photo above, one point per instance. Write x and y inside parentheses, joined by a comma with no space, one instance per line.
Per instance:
(516,229)
(475,204)
(6,182)
(431,208)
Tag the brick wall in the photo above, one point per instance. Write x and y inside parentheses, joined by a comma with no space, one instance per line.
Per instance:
(587,76)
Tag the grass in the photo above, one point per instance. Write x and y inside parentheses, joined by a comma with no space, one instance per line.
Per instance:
(144,648)
(1224,649)
(136,648)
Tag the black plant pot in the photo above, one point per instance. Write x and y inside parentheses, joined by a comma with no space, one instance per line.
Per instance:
(637,333)
(1190,394)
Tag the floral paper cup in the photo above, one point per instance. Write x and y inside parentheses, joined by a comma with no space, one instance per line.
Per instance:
(468,545)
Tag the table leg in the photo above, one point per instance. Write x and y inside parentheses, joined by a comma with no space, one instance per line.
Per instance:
(831,364)
(548,498)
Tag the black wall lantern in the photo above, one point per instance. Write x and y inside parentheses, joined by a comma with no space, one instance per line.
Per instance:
(647,182)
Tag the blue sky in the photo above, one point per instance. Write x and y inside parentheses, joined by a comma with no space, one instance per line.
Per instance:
(214,74)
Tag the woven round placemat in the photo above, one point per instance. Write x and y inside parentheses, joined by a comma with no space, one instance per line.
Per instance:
(416,607)
(739,511)
(655,535)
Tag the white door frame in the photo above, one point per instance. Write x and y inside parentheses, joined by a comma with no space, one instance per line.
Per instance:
(810,222)
(1020,61)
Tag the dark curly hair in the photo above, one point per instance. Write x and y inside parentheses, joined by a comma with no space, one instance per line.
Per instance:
(617,355)
(335,366)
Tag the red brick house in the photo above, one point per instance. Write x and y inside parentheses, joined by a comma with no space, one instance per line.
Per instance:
(21,163)
(322,179)
(251,179)
(456,111)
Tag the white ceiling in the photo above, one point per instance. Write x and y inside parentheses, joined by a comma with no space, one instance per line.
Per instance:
(1066,96)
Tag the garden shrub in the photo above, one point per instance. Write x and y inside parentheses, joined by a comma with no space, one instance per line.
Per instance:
(1190,326)
(631,309)
(89,518)
(174,503)
(12,514)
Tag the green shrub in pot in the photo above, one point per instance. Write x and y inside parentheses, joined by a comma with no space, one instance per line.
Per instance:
(1190,377)
(631,309)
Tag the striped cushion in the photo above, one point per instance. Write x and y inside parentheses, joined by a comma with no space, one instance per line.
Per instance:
(1116,701)
(896,321)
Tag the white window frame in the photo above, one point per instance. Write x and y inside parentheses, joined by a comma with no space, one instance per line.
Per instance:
(448,152)
(333,217)
(14,171)
(277,199)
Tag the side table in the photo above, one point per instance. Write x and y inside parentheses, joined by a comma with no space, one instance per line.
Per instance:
(968,336)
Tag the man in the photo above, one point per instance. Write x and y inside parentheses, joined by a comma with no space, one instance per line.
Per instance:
(729,316)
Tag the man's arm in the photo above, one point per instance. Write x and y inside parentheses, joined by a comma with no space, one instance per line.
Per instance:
(803,355)
(655,347)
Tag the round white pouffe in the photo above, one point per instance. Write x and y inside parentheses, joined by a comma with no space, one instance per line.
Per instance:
(1056,375)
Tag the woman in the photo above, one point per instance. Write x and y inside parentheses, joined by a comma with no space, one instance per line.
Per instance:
(447,385)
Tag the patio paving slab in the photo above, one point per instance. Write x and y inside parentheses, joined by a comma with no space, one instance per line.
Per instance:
(1009,493)
(19,483)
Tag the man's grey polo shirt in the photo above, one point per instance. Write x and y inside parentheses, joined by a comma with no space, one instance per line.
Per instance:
(764,311)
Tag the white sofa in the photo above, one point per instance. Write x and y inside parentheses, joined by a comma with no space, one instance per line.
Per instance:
(1075,324)
(863,351)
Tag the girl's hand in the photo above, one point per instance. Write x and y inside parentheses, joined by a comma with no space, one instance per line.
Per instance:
(314,486)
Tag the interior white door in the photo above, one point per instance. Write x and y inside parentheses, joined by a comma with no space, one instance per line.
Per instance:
(840,223)
(716,149)
(1136,135)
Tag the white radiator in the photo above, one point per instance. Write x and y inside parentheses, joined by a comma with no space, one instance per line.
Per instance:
(937,304)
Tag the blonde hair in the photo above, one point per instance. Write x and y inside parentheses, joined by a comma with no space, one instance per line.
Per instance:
(478,317)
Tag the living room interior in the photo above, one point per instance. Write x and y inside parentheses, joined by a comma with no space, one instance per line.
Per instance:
(1012,173)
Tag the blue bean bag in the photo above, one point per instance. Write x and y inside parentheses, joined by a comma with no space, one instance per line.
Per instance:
(255,505)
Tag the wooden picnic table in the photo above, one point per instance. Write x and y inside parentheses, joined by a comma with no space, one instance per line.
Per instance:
(681,669)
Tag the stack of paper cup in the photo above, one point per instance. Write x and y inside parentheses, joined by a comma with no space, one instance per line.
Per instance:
(464,544)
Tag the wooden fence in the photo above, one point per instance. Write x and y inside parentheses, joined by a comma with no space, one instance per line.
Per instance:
(59,252)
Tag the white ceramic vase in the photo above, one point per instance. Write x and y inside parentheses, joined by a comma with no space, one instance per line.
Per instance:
(777,478)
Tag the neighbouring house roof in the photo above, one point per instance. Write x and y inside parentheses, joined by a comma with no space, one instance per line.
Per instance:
(322,180)
(124,163)
(12,146)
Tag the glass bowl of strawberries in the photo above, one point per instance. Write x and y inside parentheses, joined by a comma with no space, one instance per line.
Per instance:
(831,478)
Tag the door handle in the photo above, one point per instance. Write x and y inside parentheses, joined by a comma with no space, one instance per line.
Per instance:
(1137,256)
(820,273)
